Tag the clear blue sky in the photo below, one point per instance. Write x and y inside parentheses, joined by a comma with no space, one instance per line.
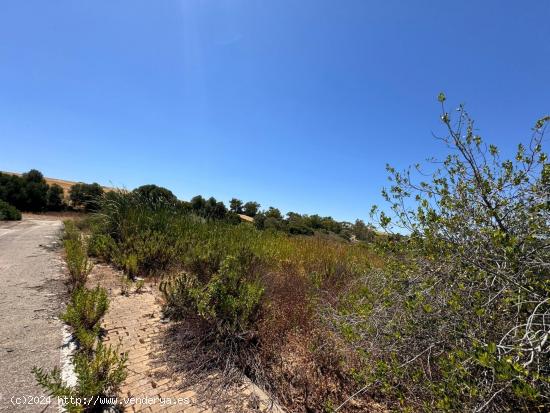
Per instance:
(292,103)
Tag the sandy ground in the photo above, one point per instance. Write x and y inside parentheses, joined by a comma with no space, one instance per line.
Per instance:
(31,296)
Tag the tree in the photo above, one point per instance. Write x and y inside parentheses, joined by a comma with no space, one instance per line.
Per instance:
(362,231)
(86,196)
(35,176)
(315,221)
(12,190)
(331,225)
(198,204)
(236,206)
(273,213)
(210,208)
(35,191)
(251,208)
(215,209)
(54,198)
(156,194)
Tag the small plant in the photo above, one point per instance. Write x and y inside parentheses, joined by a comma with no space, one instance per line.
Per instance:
(125,285)
(84,313)
(97,376)
(9,212)
(103,373)
(179,297)
(131,265)
(70,230)
(139,286)
(77,261)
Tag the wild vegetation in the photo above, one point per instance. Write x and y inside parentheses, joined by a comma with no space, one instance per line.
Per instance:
(243,289)
(99,369)
(76,256)
(453,316)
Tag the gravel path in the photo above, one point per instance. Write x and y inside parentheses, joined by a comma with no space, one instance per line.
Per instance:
(30,299)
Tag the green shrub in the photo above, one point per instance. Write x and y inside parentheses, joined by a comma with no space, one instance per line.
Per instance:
(103,373)
(229,301)
(179,295)
(76,256)
(458,318)
(101,246)
(151,252)
(232,297)
(84,313)
(9,212)
(86,308)
(131,265)
(97,376)
(125,285)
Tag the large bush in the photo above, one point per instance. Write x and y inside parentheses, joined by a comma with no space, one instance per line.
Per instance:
(458,320)
(8,212)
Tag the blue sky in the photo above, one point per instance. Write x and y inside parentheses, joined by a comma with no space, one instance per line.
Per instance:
(295,104)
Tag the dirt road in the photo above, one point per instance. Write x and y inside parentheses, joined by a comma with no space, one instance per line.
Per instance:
(30,300)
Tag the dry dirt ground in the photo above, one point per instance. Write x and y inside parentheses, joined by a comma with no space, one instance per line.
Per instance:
(157,370)
(31,297)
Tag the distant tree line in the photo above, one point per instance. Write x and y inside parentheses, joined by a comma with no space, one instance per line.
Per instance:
(30,192)
(298,224)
